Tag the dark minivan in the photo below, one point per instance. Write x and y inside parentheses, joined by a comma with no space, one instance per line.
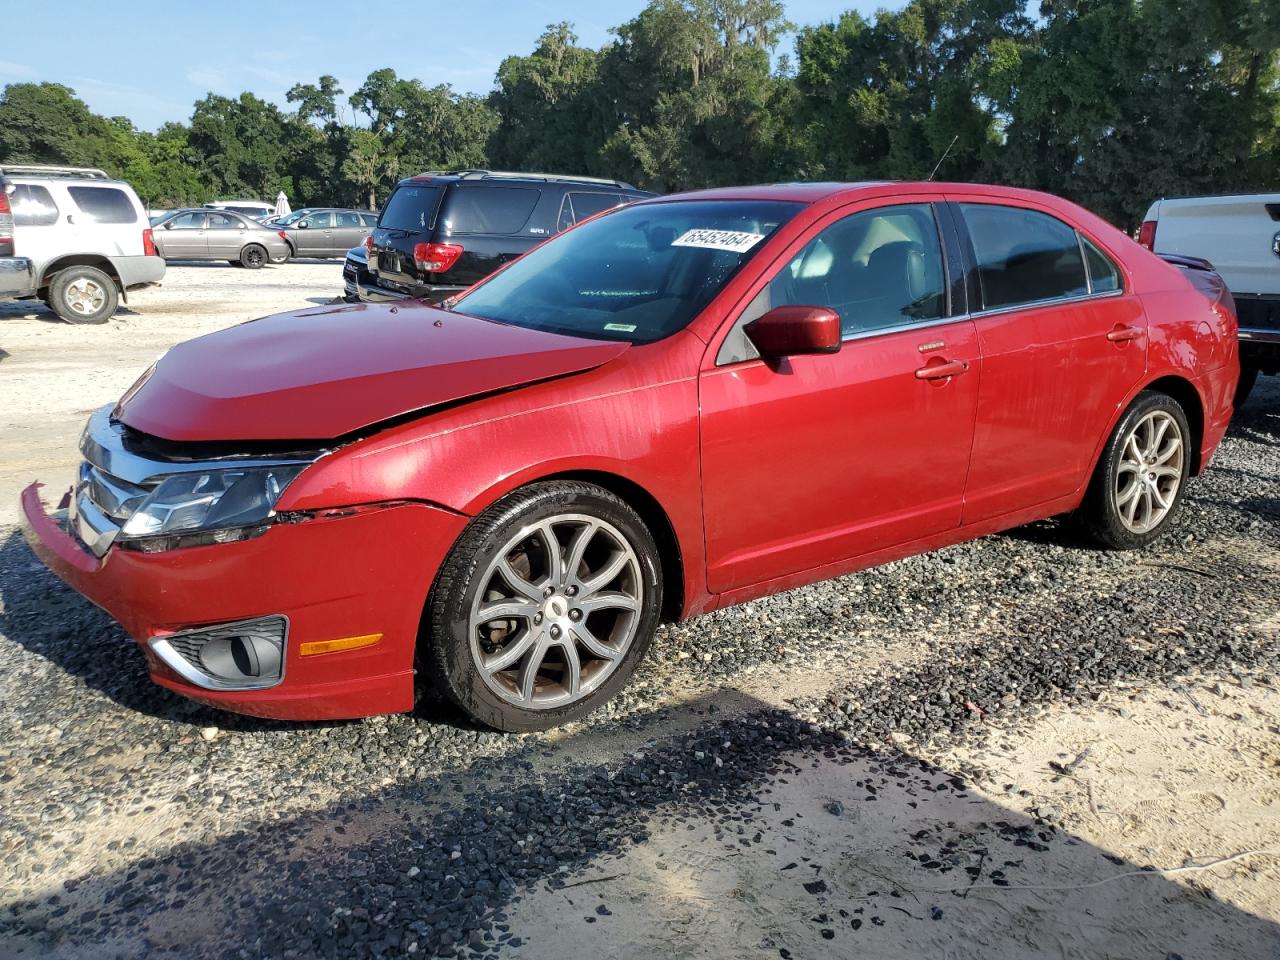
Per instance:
(441,232)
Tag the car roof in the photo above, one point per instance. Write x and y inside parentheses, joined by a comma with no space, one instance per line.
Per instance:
(509,176)
(818,192)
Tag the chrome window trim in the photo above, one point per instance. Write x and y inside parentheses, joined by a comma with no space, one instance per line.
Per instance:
(185,669)
(977,315)
(102,444)
(1047,302)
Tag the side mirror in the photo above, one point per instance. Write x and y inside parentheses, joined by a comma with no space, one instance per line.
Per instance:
(794,330)
(302,224)
(168,224)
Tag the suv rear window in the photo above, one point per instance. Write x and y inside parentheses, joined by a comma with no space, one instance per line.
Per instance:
(104,204)
(411,208)
(490,209)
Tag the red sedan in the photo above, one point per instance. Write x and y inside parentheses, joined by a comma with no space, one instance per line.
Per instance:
(676,406)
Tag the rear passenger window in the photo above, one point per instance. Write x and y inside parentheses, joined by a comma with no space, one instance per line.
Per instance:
(224,221)
(346,218)
(1023,256)
(32,206)
(589,204)
(1104,275)
(104,204)
(490,209)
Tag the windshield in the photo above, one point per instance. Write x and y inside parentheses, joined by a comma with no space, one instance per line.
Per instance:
(292,217)
(638,275)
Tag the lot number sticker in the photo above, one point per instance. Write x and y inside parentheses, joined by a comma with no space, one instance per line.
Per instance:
(735,241)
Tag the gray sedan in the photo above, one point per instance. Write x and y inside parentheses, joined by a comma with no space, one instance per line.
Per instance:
(218,235)
(326,231)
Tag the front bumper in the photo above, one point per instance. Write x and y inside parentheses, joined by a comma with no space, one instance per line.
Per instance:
(367,571)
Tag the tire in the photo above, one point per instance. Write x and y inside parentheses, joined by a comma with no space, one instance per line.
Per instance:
(288,256)
(253,257)
(83,295)
(1110,514)
(1248,377)
(544,636)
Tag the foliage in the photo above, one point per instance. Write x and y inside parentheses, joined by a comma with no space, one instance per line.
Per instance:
(1109,102)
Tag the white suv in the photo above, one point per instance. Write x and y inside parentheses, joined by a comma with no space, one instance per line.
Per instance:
(1240,236)
(87,237)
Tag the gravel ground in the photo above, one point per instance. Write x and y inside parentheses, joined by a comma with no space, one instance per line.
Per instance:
(135,823)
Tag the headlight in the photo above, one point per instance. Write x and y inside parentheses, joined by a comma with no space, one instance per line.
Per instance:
(211,506)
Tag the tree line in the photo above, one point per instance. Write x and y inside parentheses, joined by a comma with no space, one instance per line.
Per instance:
(1111,103)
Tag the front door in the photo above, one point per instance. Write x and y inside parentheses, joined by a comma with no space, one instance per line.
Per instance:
(183,237)
(816,459)
(1062,344)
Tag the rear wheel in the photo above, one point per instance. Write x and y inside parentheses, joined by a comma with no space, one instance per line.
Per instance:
(253,256)
(544,606)
(83,295)
(1138,486)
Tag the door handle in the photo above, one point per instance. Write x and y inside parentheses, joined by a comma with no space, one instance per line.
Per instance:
(940,371)
(1124,334)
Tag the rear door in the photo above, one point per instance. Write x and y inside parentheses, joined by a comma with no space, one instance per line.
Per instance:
(106,220)
(1063,344)
(488,221)
(815,459)
(348,231)
(225,234)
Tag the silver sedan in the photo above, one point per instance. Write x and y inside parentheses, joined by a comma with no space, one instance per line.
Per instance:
(218,235)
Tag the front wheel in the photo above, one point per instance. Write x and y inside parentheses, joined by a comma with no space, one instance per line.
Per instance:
(544,606)
(83,295)
(1139,483)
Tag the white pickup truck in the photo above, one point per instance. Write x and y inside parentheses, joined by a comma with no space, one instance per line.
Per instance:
(1240,236)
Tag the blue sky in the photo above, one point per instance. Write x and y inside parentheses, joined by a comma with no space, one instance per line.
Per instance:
(152,62)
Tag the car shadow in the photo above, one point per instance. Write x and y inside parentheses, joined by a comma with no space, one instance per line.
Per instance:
(434,865)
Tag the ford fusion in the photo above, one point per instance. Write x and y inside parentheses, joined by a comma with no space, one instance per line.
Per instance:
(679,405)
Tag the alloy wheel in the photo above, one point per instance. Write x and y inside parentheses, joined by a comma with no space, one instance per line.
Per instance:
(85,297)
(556,611)
(1149,471)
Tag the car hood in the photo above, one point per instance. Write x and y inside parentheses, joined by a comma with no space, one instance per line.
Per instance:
(322,373)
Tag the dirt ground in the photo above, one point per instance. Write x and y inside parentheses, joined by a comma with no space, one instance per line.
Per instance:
(1025,848)
(52,375)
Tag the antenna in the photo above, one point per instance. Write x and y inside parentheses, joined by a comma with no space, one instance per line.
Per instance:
(944,156)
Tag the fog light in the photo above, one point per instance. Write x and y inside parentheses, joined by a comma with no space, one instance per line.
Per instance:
(247,655)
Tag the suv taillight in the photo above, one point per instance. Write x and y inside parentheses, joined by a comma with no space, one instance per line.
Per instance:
(436,257)
(4,202)
(148,243)
(1147,235)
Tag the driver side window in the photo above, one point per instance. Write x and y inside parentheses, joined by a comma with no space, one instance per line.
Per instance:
(877,269)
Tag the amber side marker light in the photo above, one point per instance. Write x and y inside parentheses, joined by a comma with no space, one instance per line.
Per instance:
(313,647)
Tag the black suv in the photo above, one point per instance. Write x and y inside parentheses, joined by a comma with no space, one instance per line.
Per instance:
(441,232)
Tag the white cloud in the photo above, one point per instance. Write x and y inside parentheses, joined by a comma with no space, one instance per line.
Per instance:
(10,69)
